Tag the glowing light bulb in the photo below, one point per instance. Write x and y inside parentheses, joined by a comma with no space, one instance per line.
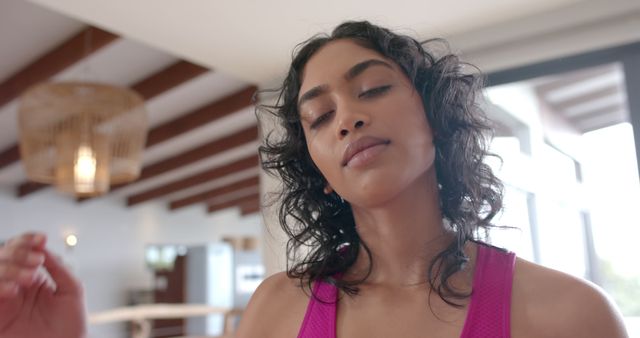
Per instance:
(84,169)
(71,240)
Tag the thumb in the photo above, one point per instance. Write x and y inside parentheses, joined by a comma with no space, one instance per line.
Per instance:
(66,284)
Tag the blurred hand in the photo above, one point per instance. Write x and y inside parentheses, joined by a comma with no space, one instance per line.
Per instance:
(30,306)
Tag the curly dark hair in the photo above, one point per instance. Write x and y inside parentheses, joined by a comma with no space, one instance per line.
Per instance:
(323,242)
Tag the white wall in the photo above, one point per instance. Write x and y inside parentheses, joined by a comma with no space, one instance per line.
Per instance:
(274,238)
(109,258)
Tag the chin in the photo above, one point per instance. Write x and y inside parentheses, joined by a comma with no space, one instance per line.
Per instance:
(382,187)
(376,195)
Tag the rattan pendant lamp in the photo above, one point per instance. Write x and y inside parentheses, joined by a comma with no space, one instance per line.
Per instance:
(81,136)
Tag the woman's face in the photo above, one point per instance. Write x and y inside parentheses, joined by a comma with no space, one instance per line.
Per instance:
(364,123)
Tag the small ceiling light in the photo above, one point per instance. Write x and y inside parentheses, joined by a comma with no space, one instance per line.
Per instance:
(71,241)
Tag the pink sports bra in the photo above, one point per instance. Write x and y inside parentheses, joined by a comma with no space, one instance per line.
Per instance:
(489,308)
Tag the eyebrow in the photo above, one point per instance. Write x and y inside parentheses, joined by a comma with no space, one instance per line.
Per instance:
(352,73)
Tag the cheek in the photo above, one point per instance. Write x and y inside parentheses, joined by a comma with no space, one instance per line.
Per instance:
(322,157)
(419,134)
(420,144)
(410,105)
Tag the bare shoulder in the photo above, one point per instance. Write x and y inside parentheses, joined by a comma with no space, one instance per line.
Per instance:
(549,303)
(276,309)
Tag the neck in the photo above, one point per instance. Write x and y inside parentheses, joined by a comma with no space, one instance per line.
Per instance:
(403,236)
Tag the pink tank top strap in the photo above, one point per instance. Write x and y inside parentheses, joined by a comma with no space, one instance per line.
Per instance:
(489,313)
(320,319)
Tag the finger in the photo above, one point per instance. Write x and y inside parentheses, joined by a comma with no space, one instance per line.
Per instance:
(65,282)
(8,289)
(19,275)
(22,256)
(31,239)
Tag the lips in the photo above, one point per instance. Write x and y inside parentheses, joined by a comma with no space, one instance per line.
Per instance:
(359,145)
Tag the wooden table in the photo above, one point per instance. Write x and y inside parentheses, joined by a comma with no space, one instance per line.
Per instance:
(141,316)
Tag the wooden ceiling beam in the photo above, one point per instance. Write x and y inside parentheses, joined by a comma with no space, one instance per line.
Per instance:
(168,78)
(196,154)
(590,96)
(201,152)
(56,60)
(9,156)
(199,117)
(194,180)
(233,202)
(217,192)
(27,188)
(568,79)
(250,207)
(602,121)
(609,109)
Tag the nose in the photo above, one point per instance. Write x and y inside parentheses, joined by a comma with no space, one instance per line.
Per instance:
(357,125)
(350,121)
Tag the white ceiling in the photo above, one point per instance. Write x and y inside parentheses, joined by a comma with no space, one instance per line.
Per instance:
(253,39)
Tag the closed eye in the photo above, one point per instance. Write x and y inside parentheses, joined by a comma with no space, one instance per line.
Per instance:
(374,92)
(324,117)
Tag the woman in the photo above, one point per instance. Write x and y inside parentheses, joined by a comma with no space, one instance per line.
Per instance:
(384,191)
